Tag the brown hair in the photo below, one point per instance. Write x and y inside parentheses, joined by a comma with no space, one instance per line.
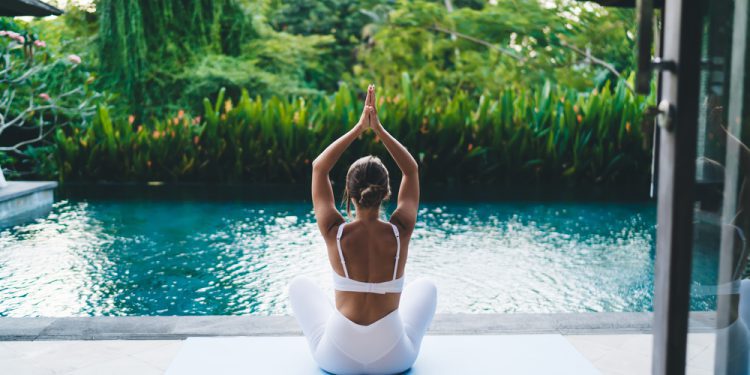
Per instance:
(367,183)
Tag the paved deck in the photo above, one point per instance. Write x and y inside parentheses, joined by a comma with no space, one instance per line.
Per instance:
(611,354)
(615,343)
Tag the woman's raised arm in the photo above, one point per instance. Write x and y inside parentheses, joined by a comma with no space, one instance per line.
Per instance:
(324,204)
(405,214)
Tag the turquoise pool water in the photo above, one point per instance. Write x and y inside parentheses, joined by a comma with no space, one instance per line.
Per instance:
(138,254)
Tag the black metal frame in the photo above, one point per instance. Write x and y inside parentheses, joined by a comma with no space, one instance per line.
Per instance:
(35,8)
(676,188)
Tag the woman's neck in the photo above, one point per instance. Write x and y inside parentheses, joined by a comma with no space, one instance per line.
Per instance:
(367,215)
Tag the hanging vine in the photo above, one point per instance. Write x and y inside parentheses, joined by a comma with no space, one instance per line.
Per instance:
(145,45)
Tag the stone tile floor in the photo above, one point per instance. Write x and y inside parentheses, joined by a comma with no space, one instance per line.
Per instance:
(631,354)
(611,354)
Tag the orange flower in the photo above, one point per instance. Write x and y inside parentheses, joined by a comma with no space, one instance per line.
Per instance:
(140,128)
(575,108)
(470,146)
(156,134)
(579,118)
(196,139)
(180,114)
(627,127)
(131,119)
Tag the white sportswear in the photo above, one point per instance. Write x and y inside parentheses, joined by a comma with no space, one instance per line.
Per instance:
(387,346)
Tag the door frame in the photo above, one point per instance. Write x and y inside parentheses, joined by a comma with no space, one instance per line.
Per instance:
(682,37)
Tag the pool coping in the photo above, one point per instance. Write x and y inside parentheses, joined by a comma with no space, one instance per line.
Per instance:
(17,189)
(181,327)
(23,200)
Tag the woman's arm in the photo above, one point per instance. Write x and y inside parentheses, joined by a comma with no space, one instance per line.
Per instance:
(324,204)
(405,214)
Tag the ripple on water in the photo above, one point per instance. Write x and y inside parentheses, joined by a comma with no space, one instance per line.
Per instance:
(199,258)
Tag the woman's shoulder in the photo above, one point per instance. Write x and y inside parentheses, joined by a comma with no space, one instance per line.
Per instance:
(330,232)
(403,228)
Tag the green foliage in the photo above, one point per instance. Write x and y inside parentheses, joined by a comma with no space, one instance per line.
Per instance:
(170,54)
(153,52)
(548,135)
(145,45)
(510,44)
(39,91)
(498,101)
(76,32)
(340,19)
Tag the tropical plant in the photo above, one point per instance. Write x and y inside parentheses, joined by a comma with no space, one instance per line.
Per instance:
(170,54)
(548,135)
(494,90)
(38,93)
(341,19)
(507,44)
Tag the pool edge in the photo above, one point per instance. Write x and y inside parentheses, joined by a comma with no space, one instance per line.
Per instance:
(181,327)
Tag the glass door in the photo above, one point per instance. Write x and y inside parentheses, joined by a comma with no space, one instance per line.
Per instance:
(703,233)
(722,207)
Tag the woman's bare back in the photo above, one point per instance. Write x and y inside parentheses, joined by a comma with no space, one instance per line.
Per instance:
(369,249)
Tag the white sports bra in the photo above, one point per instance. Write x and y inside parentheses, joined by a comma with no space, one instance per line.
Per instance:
(345,284)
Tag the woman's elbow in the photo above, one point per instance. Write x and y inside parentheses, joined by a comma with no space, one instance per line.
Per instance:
(317,166)
(412,169)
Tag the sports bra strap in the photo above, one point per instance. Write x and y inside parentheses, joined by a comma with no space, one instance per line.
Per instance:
(341,253)
(398,249)
(338,245)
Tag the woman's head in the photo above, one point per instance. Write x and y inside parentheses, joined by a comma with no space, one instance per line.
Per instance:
(367,183)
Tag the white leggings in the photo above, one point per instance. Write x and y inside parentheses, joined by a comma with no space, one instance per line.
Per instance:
(341,346)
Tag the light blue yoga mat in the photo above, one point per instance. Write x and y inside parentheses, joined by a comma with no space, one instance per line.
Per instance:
(478,354)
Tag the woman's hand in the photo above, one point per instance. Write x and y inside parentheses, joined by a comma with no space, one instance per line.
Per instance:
(374,121)
(364,119)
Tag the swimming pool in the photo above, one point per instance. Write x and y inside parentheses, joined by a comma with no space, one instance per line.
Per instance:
(134,254)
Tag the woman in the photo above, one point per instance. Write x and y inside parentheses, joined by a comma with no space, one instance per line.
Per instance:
(375,327)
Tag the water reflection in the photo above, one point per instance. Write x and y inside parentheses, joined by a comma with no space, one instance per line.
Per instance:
(156,257)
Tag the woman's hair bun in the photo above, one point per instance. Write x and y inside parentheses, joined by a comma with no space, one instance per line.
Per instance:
(367,183)
(372,195)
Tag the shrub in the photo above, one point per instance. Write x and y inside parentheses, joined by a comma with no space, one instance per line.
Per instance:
(545,135)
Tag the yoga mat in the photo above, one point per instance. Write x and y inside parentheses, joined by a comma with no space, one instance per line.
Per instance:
(476,354)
